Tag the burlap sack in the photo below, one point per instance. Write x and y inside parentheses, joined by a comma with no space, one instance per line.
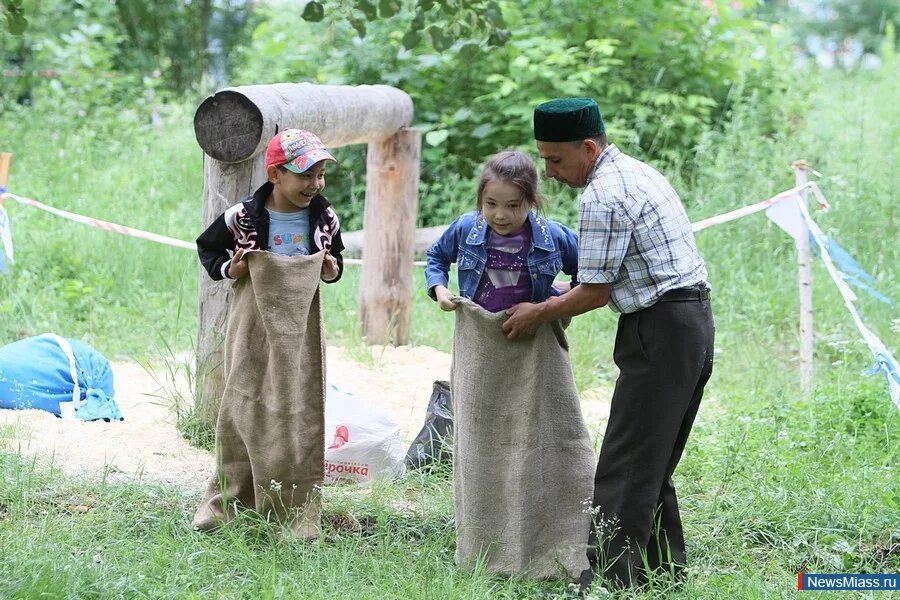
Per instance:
(270,431)
(522,464)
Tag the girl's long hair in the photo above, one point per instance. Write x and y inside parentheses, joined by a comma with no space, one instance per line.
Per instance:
(516,168)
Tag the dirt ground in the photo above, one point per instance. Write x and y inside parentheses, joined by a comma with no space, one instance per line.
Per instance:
(146,446)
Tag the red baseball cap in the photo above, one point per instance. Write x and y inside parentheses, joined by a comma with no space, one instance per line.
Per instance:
(296,150)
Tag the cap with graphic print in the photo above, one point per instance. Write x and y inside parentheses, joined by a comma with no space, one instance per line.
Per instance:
(296,150)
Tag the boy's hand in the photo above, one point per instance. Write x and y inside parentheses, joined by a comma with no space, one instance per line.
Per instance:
(238,267)
(329,268)
(443,298)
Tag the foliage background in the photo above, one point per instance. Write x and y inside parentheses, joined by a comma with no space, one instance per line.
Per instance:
(772,482)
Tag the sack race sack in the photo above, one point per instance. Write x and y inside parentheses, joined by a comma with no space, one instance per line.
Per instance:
(59,375)
(362,441)
(523,463)
(434,443)
(271,428)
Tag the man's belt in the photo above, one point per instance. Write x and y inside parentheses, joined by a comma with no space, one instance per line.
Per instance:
(696,293)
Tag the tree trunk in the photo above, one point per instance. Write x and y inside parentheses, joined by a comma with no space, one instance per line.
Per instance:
(385,285)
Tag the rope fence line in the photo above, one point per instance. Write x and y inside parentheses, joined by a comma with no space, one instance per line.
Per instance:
(177,243)
(884,360)
(99,224)
(760,206)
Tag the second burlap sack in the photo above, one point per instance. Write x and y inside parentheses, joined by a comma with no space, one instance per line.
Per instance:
(523,463)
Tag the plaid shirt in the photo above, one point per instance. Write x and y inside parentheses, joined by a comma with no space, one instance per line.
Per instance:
(634,233)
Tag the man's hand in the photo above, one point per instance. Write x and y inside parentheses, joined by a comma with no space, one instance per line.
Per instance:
(329,267)
(238,267)
(444,299)
(523,319)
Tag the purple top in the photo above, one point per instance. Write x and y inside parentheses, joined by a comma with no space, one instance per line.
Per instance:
(506,279)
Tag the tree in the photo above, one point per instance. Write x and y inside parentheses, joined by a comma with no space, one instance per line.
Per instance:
(176,42)
(175,36)
(864,20)
(14,16)
(440,22)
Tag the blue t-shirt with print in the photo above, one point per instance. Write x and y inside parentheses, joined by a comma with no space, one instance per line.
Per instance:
(289,232)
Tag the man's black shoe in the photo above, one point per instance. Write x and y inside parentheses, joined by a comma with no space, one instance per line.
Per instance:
(585,580)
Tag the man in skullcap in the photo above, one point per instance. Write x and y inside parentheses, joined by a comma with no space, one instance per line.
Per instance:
(637,254)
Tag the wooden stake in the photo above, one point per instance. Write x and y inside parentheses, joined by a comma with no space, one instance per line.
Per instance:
(804,275)
(5,160)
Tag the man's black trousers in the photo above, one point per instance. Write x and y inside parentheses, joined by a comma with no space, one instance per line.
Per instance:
(665,357)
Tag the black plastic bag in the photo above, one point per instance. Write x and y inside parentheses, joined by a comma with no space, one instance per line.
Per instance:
(434,444)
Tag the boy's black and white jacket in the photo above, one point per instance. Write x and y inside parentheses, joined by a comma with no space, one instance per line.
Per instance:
(246,225)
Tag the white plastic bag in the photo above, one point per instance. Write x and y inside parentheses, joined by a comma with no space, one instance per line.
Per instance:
(362,441)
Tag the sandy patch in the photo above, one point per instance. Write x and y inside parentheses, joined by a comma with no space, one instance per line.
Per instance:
(147,446)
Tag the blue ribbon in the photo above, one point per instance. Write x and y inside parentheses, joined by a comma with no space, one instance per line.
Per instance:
(850,270)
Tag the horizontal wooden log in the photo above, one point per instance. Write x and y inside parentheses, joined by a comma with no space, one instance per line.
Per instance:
(235,124)
(424,238)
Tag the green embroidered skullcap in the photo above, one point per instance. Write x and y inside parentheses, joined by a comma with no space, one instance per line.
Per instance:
(567,120)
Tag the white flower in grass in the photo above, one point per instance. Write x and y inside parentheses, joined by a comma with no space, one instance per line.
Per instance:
(275,486)
(588,508)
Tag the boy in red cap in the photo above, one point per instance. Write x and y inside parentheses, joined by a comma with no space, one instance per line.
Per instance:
(287,215)
(269,429)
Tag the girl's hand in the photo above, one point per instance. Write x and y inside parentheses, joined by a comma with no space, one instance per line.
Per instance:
(562,286)
(238,267)
(329,267)
(444,298)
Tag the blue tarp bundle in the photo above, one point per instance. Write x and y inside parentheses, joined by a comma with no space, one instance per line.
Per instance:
(59,375)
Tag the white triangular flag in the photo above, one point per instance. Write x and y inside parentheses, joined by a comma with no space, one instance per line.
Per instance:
(786,214)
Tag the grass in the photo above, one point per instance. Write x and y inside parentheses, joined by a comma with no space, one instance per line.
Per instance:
(121,294)
(772,482)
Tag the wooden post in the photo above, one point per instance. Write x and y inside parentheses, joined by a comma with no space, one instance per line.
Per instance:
(805,279)
(385,284)
(5,160)
(233,127)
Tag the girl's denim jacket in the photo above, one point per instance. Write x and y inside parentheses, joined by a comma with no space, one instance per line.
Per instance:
(554,248)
